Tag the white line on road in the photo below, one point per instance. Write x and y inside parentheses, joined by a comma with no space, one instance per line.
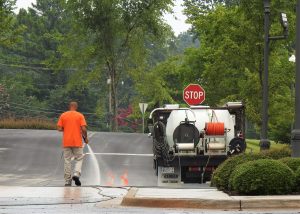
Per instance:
(122,154)
(91,134)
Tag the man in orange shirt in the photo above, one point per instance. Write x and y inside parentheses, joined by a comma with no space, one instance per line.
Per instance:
(73,126)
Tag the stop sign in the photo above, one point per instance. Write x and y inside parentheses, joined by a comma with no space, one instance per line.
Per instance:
(193,94)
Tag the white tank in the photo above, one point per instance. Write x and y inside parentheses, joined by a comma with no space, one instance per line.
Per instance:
(201,116)
(176,117)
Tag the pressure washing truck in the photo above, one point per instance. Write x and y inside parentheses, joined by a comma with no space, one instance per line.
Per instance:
(190,143)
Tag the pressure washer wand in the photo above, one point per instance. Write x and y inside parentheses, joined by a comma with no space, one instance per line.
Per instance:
(84,138)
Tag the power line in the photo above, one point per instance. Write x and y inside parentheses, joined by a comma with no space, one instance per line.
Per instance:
(39,68)
(24,63)
(90,124)
(33,110)
(45,110)
(38,109)
(42,84)
(48,84)
(26,67)
(56,112)
(90,121)
(48,110)
(129,121)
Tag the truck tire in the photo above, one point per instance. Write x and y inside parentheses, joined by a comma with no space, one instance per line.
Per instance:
(155,167)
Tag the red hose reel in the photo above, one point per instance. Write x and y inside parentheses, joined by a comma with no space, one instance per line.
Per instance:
(214,128)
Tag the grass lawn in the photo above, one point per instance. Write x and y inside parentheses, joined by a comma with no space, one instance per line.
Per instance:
(253,145)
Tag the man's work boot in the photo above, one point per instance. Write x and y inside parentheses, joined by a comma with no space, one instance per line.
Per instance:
(68,183)
(77,181)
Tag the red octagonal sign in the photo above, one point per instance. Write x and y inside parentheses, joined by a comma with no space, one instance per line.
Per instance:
(194,94)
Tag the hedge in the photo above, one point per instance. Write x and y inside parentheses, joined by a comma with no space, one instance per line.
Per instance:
(278,153)
(221,175)
(293,163)
(263,177)
(27,123)
(297,173)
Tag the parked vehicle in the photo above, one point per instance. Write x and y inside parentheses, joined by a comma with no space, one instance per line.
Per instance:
(190,143)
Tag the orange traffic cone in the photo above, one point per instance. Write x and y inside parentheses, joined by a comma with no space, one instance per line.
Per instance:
(111,179)
(124,179)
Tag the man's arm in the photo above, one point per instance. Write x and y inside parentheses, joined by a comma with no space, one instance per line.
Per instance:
(59,126)
(60,129)
(83,126)
(84,134)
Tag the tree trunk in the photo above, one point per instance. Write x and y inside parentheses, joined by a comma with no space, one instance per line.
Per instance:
(114,121)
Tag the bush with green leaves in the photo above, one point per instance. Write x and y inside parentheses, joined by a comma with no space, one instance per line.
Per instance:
(278,153)
(293,163)
(263,177)
(221,175)
(297,173)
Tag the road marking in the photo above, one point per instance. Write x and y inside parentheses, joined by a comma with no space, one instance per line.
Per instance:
(122,154)
(91,134)
(3,149)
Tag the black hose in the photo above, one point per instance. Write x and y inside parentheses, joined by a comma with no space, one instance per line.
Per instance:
(160,145)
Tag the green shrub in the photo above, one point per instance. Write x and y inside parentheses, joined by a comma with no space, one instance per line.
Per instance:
(221,175)
(297,173)
(278,153)
(293,163)
(263,177)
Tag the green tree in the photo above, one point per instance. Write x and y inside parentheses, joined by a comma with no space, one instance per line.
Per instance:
(9,33)
(31,69)
(3,101)
(159,85)
(121,28)
(231,37)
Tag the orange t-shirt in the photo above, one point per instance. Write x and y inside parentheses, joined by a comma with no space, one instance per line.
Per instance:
(71,122)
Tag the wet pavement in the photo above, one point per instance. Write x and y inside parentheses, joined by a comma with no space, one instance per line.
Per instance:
(21,196)
(34,158)
(31,174)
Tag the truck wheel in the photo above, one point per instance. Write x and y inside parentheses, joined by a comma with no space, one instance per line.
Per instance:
(237,146)
(155,167)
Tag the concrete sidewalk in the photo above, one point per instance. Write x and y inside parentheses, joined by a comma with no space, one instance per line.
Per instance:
(24,196)
(141,197)
(205,199)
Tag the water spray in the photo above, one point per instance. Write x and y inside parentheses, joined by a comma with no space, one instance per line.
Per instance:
(96,179)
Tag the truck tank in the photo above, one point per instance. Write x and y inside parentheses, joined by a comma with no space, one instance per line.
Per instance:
(190,143)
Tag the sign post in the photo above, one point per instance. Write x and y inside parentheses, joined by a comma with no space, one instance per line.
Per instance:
(143,107)
(194,94)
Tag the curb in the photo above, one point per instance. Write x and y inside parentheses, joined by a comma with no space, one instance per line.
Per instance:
(131,200)
(255,204)
(236,203)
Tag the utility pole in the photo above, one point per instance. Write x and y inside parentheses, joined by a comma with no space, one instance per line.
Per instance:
(264,141)
(296,130)
(109,104)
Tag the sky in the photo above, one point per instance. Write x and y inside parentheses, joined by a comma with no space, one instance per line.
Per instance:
(175,20)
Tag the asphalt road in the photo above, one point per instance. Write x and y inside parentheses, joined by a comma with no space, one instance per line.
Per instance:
(33,158)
